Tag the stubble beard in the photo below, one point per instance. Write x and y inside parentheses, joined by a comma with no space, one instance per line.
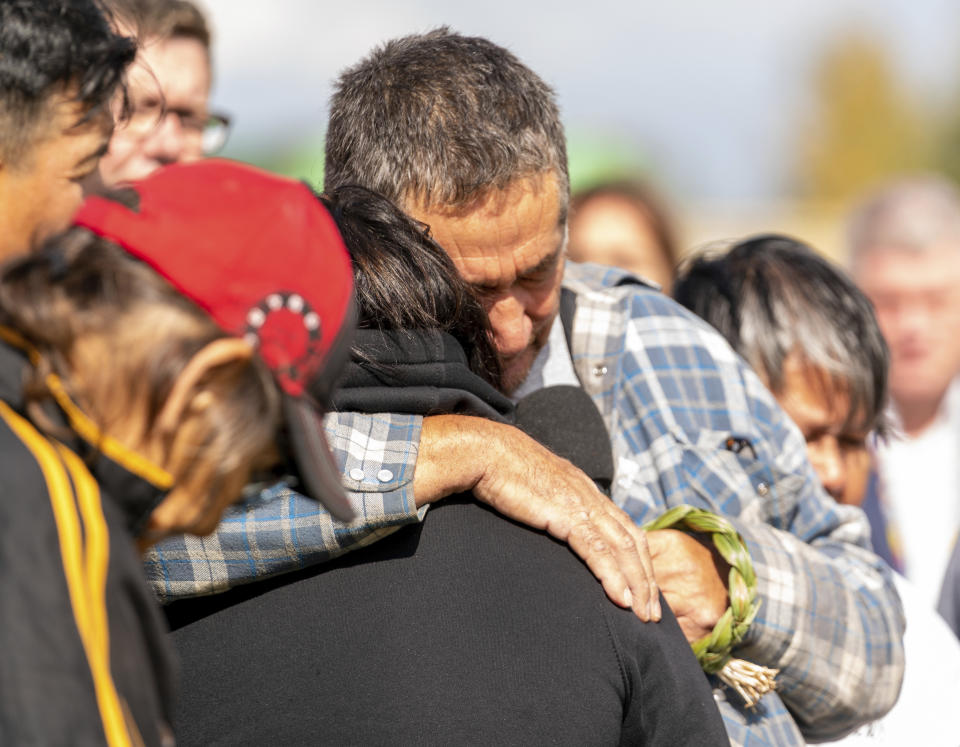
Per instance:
(517,368)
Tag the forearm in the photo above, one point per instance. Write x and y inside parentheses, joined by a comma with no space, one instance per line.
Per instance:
(392,467)
(830,619)
(454,453)
(279,530)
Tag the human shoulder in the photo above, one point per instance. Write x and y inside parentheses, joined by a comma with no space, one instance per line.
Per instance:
(19,464)
(615,303)
(587,277)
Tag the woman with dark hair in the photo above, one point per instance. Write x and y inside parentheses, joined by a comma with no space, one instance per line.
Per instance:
(466,628)
(135,403)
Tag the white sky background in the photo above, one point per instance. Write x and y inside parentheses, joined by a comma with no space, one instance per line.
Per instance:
(712,89)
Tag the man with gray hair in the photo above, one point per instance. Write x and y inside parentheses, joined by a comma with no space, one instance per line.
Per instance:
(905,255)
(467,139)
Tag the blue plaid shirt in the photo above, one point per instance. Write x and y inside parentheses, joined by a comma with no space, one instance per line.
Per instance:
(672,394)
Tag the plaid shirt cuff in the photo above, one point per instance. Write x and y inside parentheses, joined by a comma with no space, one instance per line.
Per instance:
(801,587)
(278,530)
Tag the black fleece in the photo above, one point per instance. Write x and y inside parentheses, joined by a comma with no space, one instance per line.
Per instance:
(466,629)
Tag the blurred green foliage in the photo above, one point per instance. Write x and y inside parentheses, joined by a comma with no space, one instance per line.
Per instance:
(864,125)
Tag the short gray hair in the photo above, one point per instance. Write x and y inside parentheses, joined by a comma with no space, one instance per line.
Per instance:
(772,295)
(908,215)
(440,119)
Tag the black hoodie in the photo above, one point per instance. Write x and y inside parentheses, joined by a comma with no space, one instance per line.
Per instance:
(465,629)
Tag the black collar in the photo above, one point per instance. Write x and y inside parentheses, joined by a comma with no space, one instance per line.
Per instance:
(421,372)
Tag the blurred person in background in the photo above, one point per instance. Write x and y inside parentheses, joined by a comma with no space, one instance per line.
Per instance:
(60,68)
(137,398)
(812,336)
(905,255)
(623,224)
(949,603)
(169,88)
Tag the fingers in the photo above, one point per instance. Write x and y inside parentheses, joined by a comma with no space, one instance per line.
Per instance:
(542,490)
(587,541)
(643,552)
(616,551)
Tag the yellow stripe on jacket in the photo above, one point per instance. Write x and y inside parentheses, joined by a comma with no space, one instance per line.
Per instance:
(84,565)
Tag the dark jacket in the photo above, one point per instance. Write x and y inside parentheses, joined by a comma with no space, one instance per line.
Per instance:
(85,660)
(420,372)
(465,629)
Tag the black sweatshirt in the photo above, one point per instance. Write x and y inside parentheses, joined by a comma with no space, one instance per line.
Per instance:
(466,629)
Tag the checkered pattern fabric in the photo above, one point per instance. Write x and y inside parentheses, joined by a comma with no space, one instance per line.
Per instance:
(672,394)
(277,530)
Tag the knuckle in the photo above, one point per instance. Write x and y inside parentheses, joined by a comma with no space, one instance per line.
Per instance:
(592,539)
(599,546)
(583,531)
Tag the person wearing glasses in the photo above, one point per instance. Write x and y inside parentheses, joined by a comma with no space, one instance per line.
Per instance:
(169,90)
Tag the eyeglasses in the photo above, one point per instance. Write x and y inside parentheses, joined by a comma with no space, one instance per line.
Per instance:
(210,134)
(216,130)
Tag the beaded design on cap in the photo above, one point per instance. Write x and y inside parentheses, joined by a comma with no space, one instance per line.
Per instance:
(287,332)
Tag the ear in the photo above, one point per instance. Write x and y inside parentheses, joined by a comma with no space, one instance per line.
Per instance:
(185,395)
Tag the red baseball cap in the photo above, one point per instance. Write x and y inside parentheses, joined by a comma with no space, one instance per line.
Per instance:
(263,257)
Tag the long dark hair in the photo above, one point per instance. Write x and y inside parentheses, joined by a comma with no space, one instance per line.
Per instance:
(404,280)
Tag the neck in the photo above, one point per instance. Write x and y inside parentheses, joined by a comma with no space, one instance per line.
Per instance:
(918,415)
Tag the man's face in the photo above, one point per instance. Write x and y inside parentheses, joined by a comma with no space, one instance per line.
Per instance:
(40,193)
(820,408)
(509,247)
(917,301)
(169,87)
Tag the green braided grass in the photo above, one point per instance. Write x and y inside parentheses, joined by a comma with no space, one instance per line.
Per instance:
(714,649)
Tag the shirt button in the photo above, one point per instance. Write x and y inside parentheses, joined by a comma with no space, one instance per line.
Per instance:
(763,488)
(356,474)
(600,370)
(384,475)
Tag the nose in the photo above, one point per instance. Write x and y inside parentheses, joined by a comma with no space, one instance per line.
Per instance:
(512,327)
(913,319)
(828,463)
(167,142)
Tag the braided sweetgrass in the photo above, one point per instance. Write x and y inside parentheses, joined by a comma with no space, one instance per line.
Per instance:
(713,651)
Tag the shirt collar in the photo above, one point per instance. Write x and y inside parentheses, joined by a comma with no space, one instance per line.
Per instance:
(552,366)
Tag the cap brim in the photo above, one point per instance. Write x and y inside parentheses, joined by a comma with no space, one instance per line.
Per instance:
(318,470)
